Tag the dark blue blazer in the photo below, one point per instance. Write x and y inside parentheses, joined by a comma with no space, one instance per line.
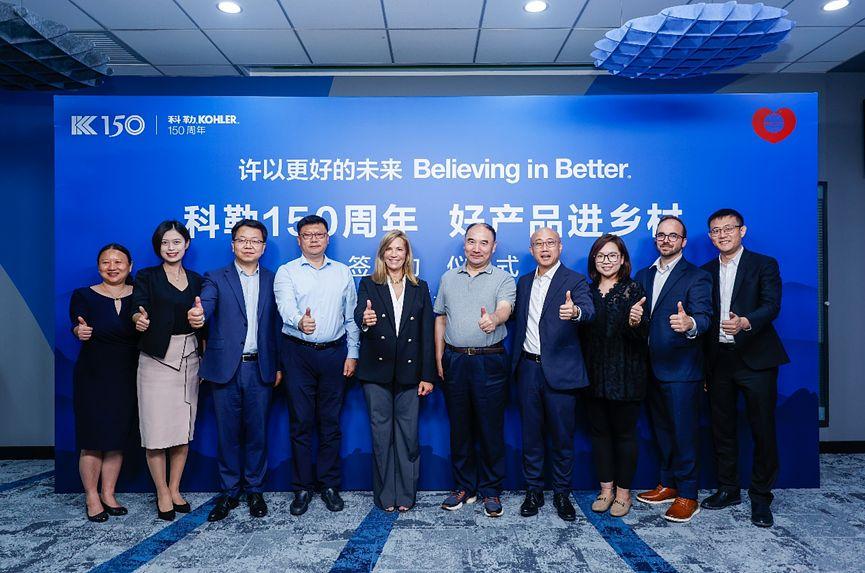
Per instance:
(674,357)
(225,315)
(561,354)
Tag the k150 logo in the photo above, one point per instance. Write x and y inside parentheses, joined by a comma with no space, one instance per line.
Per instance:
(110,125)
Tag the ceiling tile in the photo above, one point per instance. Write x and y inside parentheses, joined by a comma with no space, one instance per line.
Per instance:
(331,47)
(510,14)
(843,46)
(178,47)
(756,68)
(137,14)
(256,14)
(809,67)
(433,14)
(801,41)
(433,46)
(519,46)
(342,14)
(579,45)
(259,46)
(811,13)
(63,12)
(199,70)
(134,70)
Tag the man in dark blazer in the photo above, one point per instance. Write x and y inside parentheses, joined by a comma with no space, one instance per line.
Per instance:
(744,353)
(241,361)
(547,361)
(679,302)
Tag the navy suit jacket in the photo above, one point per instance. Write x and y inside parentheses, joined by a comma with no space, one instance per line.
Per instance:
(561,354)
(225,315)
(673,356)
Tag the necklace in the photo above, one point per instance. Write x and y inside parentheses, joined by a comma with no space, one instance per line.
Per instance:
(393,282)
(108,292)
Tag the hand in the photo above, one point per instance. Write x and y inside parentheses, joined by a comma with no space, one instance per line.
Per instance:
(636,314)
(440,369)
(735,324)
(487,322)
(568,311)
(82,331)
(349,367)
(195,315)
(278,379)
(369,316)
(142,323)
(307,323)
(424,389)
(681,322)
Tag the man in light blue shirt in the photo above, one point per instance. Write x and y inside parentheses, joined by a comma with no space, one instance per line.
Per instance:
(316,299)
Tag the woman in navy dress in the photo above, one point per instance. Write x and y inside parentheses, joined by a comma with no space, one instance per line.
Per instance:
(103,392)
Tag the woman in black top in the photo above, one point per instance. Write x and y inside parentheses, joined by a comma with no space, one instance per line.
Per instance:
(168,364)
(397,367)
(616,350)
(103,382)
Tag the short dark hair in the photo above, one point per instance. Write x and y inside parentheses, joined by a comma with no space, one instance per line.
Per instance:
(674,218)
(252,224)
(624,271)
(720,213)
(311,220)
(116,247)
(164,227)
(486,226)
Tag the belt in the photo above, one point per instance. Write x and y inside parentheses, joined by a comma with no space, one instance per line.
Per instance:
(532,357)
(317,345)
(729,347)
(497,348)
(250,357)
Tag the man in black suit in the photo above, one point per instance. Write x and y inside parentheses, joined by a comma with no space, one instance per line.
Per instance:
(744,354)
(552,302)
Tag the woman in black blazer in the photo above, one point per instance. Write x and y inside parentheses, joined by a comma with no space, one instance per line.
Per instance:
(168,363)
(396,366)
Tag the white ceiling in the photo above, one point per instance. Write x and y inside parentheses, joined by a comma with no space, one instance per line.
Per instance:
(192,38)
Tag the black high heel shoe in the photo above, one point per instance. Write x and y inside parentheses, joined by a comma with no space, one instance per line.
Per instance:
(165,515)
(114,511)
(100,517)
(183,508)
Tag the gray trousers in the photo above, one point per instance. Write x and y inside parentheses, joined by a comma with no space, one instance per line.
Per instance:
(393,415)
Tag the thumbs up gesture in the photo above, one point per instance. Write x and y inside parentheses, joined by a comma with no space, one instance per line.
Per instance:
(307,323)
(569,311)
(142,322)
(82,331)
(195,315)
(487,323)
(636,313)
(681,322)
(369,316)
(735,324)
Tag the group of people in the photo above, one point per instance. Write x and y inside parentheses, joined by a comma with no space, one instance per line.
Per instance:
(612,341)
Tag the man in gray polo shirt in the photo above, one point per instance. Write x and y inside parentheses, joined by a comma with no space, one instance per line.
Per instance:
(473,303)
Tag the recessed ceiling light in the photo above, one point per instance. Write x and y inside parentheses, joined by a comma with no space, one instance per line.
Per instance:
(835,5)
(229,7)
(535,6)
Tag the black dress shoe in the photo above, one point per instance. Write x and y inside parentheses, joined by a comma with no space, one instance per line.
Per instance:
(721,499)
(182,508)
(100,517)
(300,503)
(331,499)
(257,505)
(761,513)
(223,505)
(564,507)
(114,511)
(534,500)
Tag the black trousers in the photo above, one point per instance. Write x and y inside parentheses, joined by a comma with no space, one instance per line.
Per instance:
(613,431)
(760,389)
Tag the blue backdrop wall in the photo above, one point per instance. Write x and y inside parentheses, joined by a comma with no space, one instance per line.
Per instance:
(362,163)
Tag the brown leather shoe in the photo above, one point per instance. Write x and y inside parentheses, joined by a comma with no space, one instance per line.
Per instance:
(682,510)
(658,495)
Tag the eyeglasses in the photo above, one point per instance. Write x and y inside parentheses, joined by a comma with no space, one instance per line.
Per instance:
(311,236)
(249,242)
(725,230)
(661,237)
(549,243)
(612,257)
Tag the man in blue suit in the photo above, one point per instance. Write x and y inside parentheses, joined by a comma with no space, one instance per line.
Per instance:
(679,301)
(547,361)
(241,360)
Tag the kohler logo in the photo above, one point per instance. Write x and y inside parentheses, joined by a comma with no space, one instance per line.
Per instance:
(81,125)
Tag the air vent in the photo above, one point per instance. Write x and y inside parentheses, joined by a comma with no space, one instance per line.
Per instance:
(107,43)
